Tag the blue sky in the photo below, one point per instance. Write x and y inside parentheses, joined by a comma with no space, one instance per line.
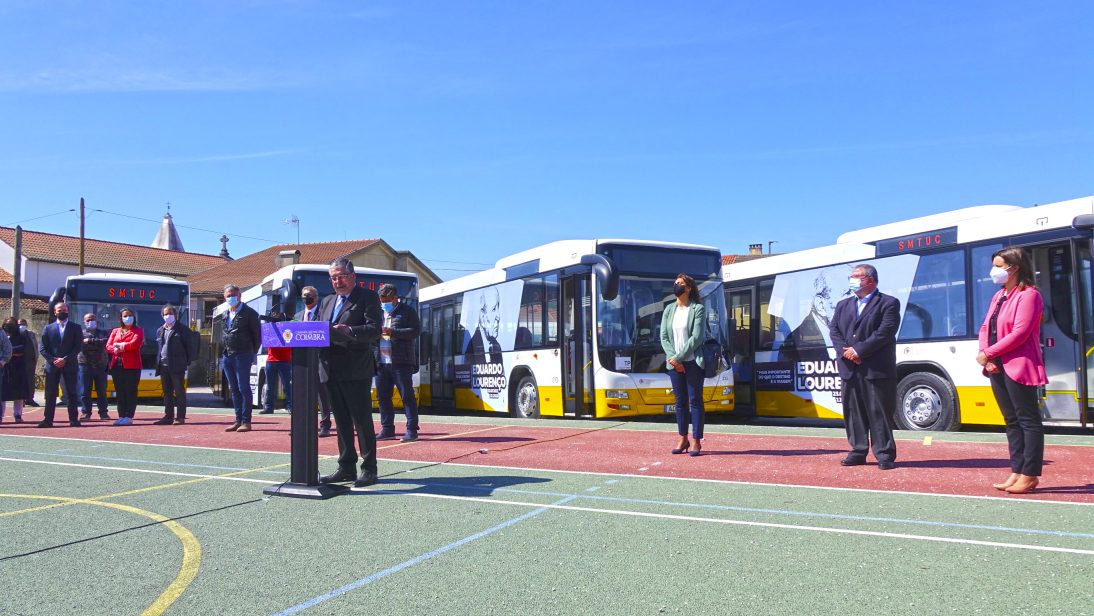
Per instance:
(466,131)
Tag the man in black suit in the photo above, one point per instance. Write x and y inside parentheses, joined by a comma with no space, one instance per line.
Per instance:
(60,344)
(347,367)
(864,334)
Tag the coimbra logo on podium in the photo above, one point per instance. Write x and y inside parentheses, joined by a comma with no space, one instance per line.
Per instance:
(287,336)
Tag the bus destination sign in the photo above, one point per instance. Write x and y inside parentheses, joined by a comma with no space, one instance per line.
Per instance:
(114,291)
(917,242)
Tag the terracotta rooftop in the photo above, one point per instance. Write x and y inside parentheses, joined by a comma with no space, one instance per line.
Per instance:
(6,277)
(731,259)
(65,249)
(251,269)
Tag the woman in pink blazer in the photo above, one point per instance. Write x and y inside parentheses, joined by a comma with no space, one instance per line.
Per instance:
(1010,352)
(124,346)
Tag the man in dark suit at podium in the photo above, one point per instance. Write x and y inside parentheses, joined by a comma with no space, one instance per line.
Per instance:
(864,335)
(347,368)
(60,344)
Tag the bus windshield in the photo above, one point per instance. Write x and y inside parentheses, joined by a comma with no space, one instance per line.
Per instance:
(105,302)
(629,326)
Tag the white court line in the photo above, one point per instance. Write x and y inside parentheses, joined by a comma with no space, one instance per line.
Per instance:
(1007,499)
(141,470)
(688,518)
(662,516)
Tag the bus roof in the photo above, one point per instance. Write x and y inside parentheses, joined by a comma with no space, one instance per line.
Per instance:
(552,256)
(923,223)
(100,276)
(794,261)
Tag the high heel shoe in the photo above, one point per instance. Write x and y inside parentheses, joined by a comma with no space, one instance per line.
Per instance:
(1024,485)
(698,448)
(1006,484)
(683,448)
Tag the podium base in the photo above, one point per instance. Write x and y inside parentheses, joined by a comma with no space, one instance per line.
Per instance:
(302,490)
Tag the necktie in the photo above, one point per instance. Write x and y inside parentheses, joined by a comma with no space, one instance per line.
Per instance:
(337,308)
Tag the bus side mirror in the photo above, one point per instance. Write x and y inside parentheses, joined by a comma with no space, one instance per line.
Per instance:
(289,295)
(606,274)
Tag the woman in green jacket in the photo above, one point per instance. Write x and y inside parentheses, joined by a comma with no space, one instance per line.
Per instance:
(682,326)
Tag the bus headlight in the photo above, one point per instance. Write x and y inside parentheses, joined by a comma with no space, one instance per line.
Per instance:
(611,393)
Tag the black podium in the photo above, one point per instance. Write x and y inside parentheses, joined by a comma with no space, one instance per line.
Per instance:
(305,339)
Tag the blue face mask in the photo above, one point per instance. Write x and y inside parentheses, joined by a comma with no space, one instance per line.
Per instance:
(233,301)
(127,320)
(388,307)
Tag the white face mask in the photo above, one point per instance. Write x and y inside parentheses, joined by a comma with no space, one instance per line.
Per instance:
(169,319)
(92,324)
(999,275)
(127,320)
(854,284)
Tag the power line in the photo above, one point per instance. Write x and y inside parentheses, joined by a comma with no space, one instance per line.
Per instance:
(261,239)
(458,262)
(44,216)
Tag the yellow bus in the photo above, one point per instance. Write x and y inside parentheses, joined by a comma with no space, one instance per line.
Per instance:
(937,266)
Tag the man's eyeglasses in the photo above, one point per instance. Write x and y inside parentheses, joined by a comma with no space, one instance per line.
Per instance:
(340,276)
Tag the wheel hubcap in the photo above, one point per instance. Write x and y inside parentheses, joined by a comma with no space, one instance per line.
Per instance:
(922,406)
(526,400)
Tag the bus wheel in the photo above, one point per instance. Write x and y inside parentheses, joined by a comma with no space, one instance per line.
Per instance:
(526,399)
(926,401)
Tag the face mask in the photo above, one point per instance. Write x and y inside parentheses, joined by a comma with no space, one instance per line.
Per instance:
(309,300)
(127,320)
(999,275)
(388,307)
(233,301)
(62,316)
(92,324)
(679,289)
(169,319)
(23,329)
(854,284)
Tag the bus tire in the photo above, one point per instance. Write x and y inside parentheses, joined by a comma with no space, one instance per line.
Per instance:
(926,401)
(525,399)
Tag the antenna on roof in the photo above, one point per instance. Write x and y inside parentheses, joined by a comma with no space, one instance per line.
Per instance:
(295,220)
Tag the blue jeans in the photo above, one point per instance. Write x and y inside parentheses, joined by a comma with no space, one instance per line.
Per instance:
(88,376)
(237,369)
(687,388)
(389,376)
(278,371)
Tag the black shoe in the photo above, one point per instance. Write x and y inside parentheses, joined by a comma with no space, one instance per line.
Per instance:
(85,417)
(74,424)
(163,421)
(45,424)
(337,476)
(324,432)
(852,461)
(386,434)
(179,421)
(886,466)
(366,479)
(30,403)
(265,412)
(409,436)
(104,416)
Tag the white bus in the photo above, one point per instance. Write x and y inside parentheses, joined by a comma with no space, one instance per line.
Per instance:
(280,291)
(105,295)
(937,266)
(571,328)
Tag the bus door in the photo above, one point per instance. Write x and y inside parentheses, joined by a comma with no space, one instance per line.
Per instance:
(739,304)
(1086,330)
(442,358)
(1064,329)
(577,346)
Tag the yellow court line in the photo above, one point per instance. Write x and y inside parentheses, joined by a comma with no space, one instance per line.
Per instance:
(191,547)
(441,438)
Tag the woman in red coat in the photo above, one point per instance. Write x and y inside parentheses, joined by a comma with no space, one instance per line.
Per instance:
(124,346)
(1010,352)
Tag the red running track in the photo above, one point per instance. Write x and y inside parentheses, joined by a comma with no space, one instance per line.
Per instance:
(964,468)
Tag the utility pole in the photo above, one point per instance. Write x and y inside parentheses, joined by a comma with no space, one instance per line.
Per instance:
(17,275)
(81,235)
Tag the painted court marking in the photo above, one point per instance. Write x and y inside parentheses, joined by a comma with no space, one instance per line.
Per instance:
(416,560)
